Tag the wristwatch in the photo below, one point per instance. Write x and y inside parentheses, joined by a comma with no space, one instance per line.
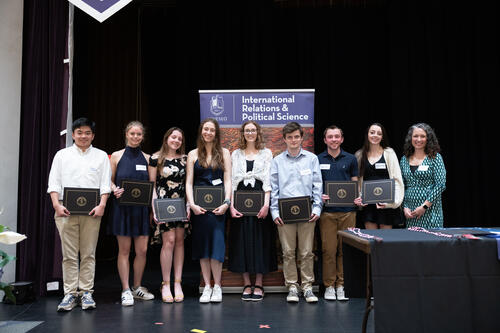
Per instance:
(227,202)
(425,206)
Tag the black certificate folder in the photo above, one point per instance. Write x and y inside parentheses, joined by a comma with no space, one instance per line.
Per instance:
(80,201)
(248,203)
(136,192)
(170,210)
(208,197)
(295,210)
(342,193)
(378,191)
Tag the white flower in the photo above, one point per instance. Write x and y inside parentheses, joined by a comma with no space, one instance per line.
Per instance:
(172,184)
(167,171)
(11,237)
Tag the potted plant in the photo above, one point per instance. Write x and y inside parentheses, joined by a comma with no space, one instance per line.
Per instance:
(7,237)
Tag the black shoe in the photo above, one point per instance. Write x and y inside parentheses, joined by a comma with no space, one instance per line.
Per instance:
(246,297)
(257,298)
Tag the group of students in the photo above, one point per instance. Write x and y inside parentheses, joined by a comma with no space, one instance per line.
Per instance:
(419,177)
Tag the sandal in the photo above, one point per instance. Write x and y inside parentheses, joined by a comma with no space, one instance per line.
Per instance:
(256,297)
(179,298)
(167,299)
(246,297)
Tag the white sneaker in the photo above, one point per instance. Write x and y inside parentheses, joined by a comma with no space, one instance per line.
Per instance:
(127,298)
(205,297)
(68,303)
(142,293)
(216,294)
(87,301)
(309,296)
(293,295)
(330,294)
(341,294)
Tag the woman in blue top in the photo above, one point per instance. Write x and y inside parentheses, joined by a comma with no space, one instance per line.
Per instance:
(130,221)
(424,177)
(209,165)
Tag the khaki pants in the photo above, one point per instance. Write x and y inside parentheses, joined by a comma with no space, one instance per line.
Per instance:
(79,235)
(329,224)
(288,234)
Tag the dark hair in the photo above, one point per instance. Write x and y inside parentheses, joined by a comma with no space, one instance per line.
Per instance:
(384,143)
(217,154)
(81,122)
(332,127)
(432,145)
(292,127)
(163,150)
(259,142)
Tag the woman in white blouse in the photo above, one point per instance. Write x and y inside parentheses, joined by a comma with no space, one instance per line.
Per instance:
(251,238)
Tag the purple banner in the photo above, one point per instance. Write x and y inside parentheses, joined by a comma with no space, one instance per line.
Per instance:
(100,5)
(100,9)
(269,108)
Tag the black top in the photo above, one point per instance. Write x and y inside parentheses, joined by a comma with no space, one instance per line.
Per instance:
(376,171)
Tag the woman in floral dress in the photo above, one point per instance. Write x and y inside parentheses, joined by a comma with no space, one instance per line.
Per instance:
(167,168)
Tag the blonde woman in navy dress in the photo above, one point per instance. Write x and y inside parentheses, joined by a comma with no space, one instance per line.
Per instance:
(251,238)
(424,176)
(167,168)
(209,165)
(376,160)
(130,222)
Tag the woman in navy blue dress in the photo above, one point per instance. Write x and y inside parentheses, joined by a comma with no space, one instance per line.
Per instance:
(209,165)
(130,221)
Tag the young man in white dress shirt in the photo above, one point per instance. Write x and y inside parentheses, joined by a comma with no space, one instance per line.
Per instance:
(83,166)
(294,173)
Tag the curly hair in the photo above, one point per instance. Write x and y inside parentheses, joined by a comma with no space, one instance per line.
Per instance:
(432,145)
(384,143)
(259,141)
(217,154)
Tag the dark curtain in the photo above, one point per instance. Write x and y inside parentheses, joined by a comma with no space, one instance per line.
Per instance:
(395,62)
(42,120)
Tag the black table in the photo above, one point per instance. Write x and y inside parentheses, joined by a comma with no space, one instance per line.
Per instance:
(424,282)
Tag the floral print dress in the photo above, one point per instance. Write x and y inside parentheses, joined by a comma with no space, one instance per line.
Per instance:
(170,183)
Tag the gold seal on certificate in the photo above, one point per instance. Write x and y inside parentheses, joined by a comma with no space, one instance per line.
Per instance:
(170,210)
(80,201)
(248,203)
(342,193)
(136,192)
(378,191)
(295,210)
(208,197)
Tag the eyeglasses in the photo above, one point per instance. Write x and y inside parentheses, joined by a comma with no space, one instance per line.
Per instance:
(250,131)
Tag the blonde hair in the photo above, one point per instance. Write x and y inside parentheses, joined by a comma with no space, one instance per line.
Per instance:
(135,123)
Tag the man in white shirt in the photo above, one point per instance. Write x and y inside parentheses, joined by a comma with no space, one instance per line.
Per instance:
(83,166)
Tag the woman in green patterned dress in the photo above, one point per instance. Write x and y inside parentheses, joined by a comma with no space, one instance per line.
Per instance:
(424,176)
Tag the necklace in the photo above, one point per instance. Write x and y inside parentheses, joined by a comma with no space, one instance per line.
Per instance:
(420,229)
(358,232)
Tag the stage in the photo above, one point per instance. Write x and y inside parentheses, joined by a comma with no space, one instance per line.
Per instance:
(273,314)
